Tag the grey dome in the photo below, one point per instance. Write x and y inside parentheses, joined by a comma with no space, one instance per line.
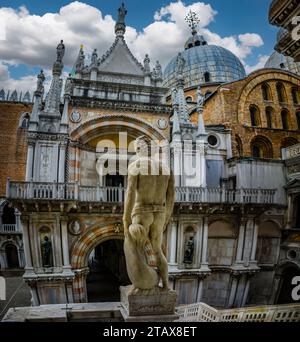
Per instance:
(279,61)
(222,65)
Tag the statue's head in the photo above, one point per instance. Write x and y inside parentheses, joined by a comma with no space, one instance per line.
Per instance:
(142,146)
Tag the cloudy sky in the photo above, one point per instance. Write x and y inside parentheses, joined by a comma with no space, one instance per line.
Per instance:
(31,30)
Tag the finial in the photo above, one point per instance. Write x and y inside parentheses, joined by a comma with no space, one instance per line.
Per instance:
(120,27)
(193,21)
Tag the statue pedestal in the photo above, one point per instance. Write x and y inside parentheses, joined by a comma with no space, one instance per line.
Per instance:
(155,305)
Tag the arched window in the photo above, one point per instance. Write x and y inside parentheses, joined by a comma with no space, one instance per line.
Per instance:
(298,120)
(281,92)
(189,99)
(287,142)
(266,92)
(269,117)
(295,95)
(285,119)
(261,147)
(24,120)
(254,116)
(239,146)
(206,77)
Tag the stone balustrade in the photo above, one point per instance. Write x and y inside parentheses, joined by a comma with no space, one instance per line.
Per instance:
(201,312)
(74,191)
(9,228)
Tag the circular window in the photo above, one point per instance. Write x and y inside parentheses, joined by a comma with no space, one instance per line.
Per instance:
(212,140)
(291,254)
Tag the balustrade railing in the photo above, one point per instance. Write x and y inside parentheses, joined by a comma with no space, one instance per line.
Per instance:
(9,228)
(201,312)
(74,191)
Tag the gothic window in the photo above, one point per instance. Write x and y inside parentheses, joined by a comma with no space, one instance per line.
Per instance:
(24,120)
(266,92)
(254,116)
(239,146)
(295,95)
(256,151)
(206,77)
(269,116)
(284,119)
(281,92)
(298,120)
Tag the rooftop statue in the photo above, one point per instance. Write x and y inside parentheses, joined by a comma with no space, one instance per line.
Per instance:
(94,59)
(40,82)
(121,14)
(60,51)
(148,207)
(200,98)
(147,64)
(180,63)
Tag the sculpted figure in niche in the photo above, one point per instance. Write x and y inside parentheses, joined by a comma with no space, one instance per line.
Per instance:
(148,208)
(46,252)
(189,251)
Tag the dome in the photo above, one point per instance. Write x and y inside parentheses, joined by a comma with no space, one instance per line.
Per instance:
(279,61)
(205,64)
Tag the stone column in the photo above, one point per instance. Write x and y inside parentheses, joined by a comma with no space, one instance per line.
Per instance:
(246,291)
(65,244)
(26,242)
(34,296)
(254,241)
(234,284)
(62,163)
(18,220)
(173,245)
(29,163)
(240,246)
(204,261)
(200,290)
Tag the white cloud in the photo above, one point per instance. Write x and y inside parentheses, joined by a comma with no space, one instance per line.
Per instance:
(32,39)
(262,59)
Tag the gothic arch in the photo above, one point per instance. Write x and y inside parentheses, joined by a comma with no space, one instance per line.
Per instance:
(134,126)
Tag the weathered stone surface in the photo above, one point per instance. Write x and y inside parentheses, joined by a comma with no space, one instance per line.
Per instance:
(148,303)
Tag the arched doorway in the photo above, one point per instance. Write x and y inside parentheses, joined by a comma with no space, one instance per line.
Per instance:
(286,286)
(12,259)
(107,272)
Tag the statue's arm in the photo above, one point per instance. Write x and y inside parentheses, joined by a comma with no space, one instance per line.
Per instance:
(129,201)
(170,198)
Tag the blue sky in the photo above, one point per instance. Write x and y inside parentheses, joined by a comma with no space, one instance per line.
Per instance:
(233,18)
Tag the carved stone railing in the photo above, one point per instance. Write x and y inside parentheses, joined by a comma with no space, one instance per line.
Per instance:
(201,312)
(9,228)
(74,191)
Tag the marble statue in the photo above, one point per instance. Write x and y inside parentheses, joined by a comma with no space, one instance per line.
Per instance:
(189,251)
(174,96)
(60,51)
(148,208)
(94,59)
(122,13)
(80,61)
(200,98)
(40,82)
(180,63)
(158,70)
(69,85)
(46,252)
(147,64)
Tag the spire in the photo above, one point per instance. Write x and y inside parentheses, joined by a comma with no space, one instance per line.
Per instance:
(182,107)
(201,133)
(176,133)
(196,40)
(53,97)
(120,27)
(37,101)
(79,63)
